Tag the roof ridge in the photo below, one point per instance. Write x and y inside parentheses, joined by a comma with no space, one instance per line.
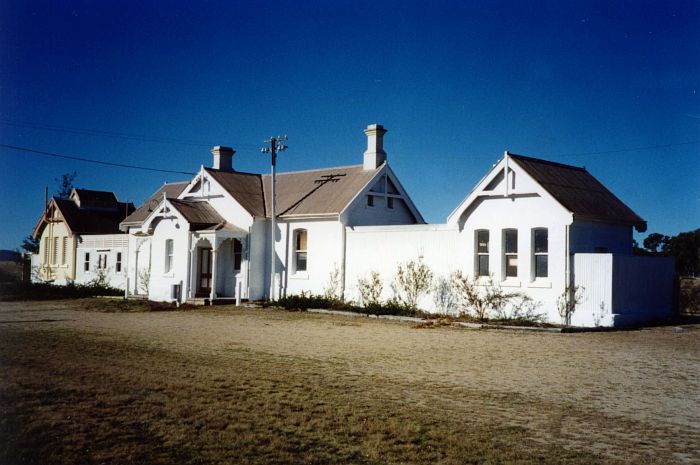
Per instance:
(314,169)
(548,162)
(231,172)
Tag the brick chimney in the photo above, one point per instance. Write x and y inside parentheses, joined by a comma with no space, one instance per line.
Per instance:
(375,154)
(223,158)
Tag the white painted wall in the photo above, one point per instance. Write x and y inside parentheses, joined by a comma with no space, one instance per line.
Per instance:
(383,248)
(622,290)
(95,245)
(324,252)
(173,227)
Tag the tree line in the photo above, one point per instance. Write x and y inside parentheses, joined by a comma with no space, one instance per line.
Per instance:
(684,248)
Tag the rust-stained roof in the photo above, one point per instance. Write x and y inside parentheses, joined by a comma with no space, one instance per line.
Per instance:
(87,220)
(172,191)
(579,192)
(200,215)
(310,192)
(298,192)
(246,188)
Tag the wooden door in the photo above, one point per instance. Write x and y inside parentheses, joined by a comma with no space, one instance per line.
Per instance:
(204,272)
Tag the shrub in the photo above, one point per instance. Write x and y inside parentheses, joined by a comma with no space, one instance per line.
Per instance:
(334,286)
(443,295)
(567,302)
(480,296)
(413,279)
(370,289)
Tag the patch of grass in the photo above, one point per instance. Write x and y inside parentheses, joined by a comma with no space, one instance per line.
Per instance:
(110,305)
(68,398)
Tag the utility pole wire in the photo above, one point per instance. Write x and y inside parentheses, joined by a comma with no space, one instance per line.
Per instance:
(89,160)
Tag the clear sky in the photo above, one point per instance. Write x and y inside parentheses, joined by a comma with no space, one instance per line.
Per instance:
(455,83)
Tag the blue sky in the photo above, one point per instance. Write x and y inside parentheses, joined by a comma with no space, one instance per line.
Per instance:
(456,84)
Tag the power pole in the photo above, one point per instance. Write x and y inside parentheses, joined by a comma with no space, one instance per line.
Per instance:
(276,145)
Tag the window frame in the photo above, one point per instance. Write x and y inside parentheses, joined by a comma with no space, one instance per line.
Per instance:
(536,255)
(118,263)
(86,262)
(478,254)
(508,254)
(298,251)
(54,252)
(169,256)
(389,202)
(64,254)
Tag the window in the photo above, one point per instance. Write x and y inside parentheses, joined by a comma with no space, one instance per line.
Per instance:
(65,251)
(541,251)
(390,202)
(370,201)
(54,252)
(168,255)
(118,265)
(300,243)
(46,251)
(237,255)
(102,261)
(86,265)
(482,253)
(510,252)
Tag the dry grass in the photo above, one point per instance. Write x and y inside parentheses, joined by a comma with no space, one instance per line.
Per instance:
(261,386)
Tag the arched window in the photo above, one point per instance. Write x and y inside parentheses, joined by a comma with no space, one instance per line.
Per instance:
(168,255)
(237,255)
(300,244)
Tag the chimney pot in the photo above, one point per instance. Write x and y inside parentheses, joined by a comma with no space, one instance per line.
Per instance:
(375,154)
(223,158)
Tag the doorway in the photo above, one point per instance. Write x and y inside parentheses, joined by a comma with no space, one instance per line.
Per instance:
(203,272)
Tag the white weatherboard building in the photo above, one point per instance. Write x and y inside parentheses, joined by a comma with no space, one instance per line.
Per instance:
(534,226)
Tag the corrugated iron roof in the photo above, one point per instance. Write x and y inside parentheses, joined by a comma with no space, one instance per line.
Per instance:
(314,192)
(200,215)
(172,191)
(579,192)
(246,188)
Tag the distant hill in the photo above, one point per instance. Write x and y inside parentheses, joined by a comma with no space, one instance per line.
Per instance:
(8,255)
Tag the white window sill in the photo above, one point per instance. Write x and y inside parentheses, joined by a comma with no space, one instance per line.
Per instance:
(482,280)
(510,282)
(541,283)
(299,276)
(168,275)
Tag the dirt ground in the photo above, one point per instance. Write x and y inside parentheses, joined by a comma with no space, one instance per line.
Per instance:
(231,385)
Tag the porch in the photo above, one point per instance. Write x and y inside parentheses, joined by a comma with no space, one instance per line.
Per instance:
(217,266)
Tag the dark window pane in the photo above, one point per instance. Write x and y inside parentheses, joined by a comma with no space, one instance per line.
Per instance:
(482,239)
(541,266)
(511,267)
(483,265)
(541,242)
(511,241)
(370,200)
(390,202)
(301,261)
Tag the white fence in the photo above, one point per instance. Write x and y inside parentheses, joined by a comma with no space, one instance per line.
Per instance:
(620,290)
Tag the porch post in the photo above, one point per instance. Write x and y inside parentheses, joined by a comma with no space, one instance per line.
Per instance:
(212,296)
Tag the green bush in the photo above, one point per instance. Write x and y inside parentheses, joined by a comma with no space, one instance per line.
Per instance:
(47,291)
(305,301)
